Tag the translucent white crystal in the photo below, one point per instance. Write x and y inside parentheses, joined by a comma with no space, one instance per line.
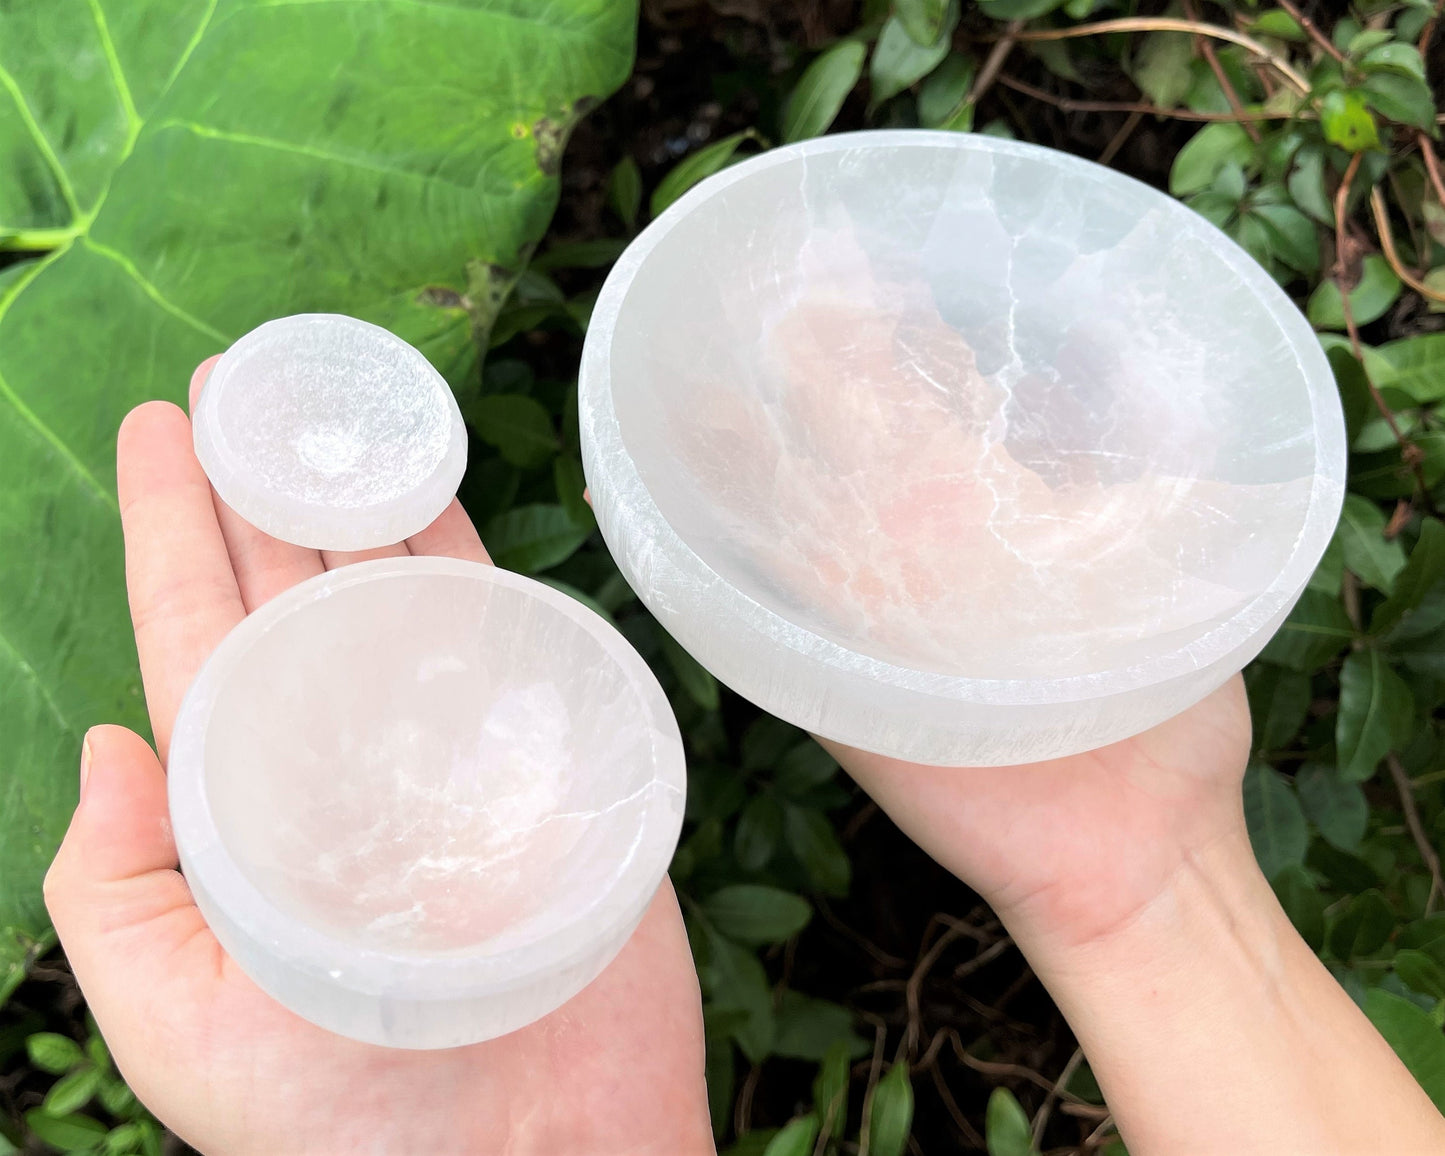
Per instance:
(423,802)
(330,432)
(956,449)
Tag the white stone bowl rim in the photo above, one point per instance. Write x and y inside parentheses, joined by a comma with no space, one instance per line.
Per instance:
(634,505)
(466,972)
(285,516)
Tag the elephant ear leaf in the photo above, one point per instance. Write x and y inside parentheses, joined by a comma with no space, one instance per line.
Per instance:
(175,172)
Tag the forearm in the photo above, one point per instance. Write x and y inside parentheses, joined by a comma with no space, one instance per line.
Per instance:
(1212,1027)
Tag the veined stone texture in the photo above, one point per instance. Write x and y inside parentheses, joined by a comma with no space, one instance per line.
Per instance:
(330,432)
(423,802)
(956,449)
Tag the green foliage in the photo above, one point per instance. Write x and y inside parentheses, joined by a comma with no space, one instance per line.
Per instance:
(88,1079)
(1346,698)
(815,103)
(695,167)
(201,174)
(1007,1126)
(1415,1035)
(890,1115)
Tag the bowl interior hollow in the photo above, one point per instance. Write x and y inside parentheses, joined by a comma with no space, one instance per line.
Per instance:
(981,411)
(429,764)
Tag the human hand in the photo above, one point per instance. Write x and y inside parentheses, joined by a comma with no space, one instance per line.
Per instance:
(618,1069)
(1126,877)
(1070,849)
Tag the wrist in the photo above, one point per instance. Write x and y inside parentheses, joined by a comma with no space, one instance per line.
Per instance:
(1146,896)
(1203,1013)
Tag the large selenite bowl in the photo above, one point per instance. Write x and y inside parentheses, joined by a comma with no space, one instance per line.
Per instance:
(956,449)
(423,802)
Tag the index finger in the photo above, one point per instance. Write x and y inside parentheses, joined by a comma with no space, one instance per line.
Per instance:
(183,592)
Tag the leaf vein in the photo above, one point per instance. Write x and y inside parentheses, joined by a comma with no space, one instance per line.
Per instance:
(66,453)
(62,178)
(152,292)
(117,74)
(34,676)
(263,142)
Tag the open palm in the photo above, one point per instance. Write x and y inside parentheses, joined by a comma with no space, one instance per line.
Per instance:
(1073,848)
(616,1070)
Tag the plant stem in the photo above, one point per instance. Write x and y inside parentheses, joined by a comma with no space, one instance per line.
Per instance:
(1069,104)
(1206,49)
(1312,30)
(1041,1118)
(1169,24)
(1417,829)
(1387,244)
(994,62)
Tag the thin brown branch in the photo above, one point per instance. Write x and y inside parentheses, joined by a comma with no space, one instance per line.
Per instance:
(994,61)
(1428,32)
(986,956)
(1420,244)
(1432,165)
(875,1069)
(935,1045)
(984,934)
(1417,829)
(1170,24)
(1084,1111)
(1311,29)
(1387,245)
(1404,511)
(1342,196)
(1211,58)
(1069,104)
(1041,1117)
(970,1133)
(915,984)
(1116,142)
(743,1109)
(866,812)
(1096,1137)
(1017,1071)
(1350,597)
(1340,274)
(885,958)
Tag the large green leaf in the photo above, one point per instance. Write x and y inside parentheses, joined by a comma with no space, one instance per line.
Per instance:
(1415,1038)
(195,167)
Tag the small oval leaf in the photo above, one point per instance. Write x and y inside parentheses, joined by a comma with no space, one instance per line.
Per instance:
(822,89)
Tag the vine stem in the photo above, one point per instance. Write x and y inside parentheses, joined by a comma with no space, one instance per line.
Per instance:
(1432,165)
(1171,24)
(1069,104)
(1211,58)
(1041,1119)
(1387,244)
(1417,829)
(1312,30)
(1409,451)
(994,63)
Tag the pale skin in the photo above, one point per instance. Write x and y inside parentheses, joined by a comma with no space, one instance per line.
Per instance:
(1125,876)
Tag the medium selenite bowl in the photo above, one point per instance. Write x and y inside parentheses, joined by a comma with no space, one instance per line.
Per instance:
(423,802)
(956,449)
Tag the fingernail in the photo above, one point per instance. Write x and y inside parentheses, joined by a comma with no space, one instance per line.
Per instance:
(84,762)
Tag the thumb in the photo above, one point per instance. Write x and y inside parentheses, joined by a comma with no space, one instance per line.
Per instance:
(115,873)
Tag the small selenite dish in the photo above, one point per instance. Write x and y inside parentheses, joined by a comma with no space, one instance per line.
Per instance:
(330,432)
